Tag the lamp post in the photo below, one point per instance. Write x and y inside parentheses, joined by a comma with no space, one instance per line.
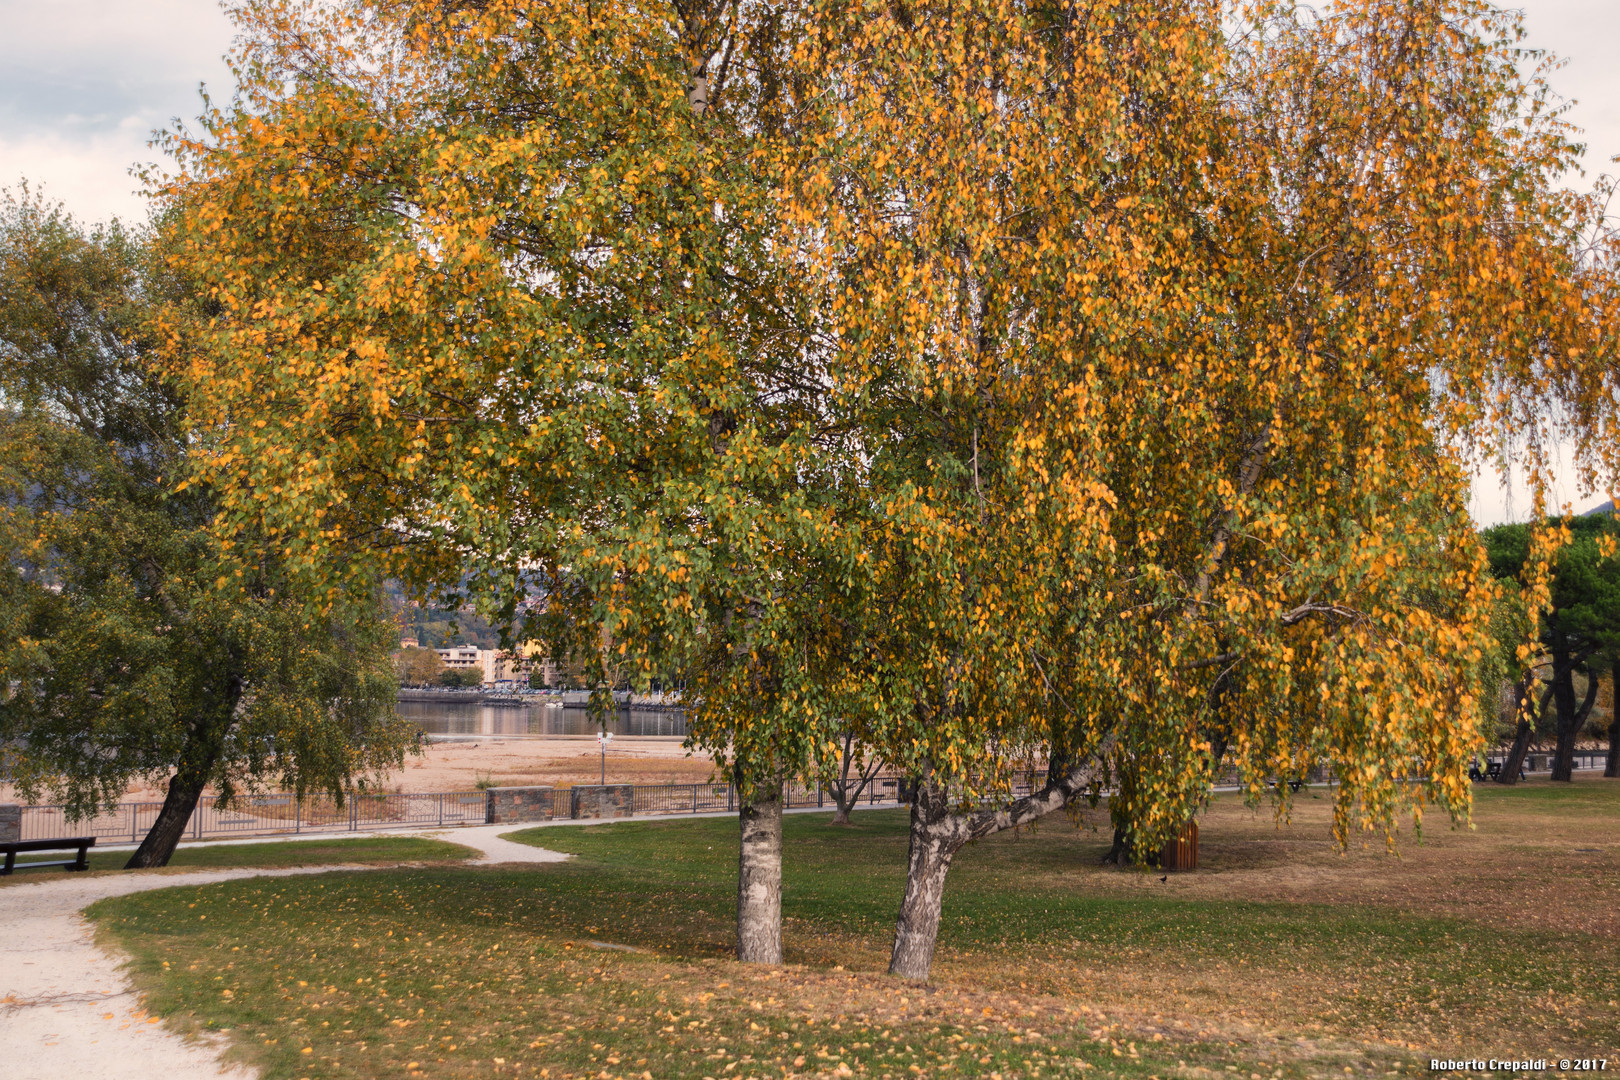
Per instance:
(602,740)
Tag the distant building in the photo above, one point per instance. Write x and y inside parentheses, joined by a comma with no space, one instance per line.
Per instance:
(492,665)
(461,657)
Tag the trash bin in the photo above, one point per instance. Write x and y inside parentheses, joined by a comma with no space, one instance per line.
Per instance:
(1182,852)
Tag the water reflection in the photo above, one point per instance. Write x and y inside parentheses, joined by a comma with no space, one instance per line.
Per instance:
(539,720)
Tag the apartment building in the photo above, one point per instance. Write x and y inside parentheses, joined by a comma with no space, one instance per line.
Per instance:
(493,665)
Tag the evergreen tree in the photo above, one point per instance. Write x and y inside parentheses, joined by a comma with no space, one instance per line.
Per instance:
(1579,628)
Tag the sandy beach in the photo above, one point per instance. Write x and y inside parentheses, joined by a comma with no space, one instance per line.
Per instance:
(460,763)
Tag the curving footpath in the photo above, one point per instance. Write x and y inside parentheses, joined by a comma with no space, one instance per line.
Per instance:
(67,1010)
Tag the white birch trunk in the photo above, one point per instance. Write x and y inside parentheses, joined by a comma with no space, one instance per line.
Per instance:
(759,878)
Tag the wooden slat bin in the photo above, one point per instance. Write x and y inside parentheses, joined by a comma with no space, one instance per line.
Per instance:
(1182,852)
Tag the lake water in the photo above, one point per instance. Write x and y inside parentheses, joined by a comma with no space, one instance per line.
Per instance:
(539,720)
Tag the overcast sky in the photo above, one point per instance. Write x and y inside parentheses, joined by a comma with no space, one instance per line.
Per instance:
(84,82)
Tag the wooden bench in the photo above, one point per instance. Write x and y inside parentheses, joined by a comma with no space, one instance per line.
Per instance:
(83,843)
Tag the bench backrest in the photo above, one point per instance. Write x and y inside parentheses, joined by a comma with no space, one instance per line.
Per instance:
(48,845)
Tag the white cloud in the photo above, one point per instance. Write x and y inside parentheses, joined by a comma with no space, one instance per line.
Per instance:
(83,83)
(92,176)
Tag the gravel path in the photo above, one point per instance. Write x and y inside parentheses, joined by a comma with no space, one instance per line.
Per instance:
(67,1010)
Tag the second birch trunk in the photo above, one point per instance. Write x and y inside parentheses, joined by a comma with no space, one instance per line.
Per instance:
(933,844)
(937,833)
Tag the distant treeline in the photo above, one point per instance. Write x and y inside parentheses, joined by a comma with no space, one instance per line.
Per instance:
(439,628)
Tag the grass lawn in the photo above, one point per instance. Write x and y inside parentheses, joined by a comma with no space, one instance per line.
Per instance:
(270,854)
(1279,958)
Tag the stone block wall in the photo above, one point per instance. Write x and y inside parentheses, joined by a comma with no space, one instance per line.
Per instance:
(512,805)
(611,801)
(10,823)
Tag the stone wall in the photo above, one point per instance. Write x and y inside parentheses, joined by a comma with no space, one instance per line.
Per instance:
(10,823)
(511,805)
(611,801)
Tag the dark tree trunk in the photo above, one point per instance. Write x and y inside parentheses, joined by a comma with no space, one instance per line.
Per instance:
(1570,717)
(937,834)
(1521,736)
(759,876)
(846,792)
(1217,754)
(1563,687)
(1514,765)
(1119,854)
(1611,767)
(1123,852)
(204,743)
(185,791)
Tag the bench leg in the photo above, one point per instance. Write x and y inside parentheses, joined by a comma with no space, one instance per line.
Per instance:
(11,861)
(84,858)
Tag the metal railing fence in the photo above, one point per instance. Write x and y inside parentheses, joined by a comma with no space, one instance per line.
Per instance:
(281,814)
(1541,760)
(267,815)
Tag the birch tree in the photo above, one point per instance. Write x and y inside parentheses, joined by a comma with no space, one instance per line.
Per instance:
(500,301)
(1179,324)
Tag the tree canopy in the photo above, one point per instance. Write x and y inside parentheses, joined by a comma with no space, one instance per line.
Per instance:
(419,667)
(1584,595)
